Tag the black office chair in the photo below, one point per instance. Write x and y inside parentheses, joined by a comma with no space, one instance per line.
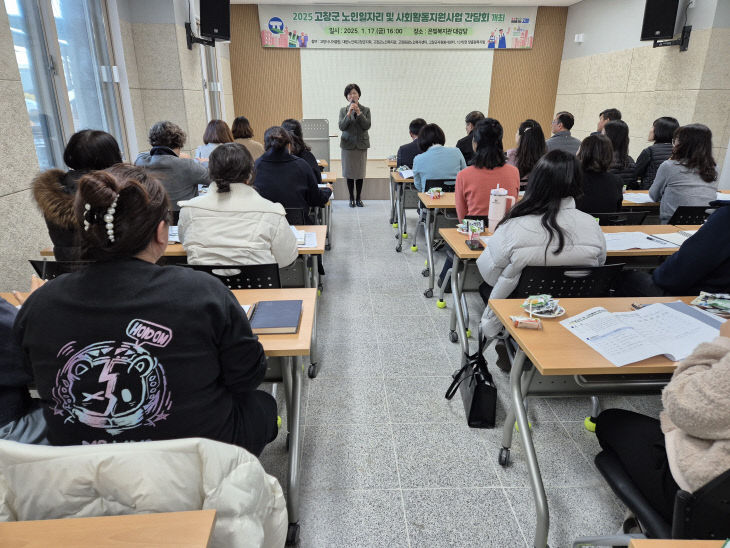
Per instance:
(297,216)
(620,218)
(258,276)
(704,514)
(567,281)
(690,215)
(47,270)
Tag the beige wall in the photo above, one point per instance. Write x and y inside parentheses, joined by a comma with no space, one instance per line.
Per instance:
(645,83)
(22,230)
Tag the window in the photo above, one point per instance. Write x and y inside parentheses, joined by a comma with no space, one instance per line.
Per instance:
(67,70)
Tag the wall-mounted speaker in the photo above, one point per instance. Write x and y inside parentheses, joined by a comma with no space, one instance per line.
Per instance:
(659,19)
(215,19)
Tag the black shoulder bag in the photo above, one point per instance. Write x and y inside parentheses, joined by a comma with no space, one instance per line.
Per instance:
(477,388)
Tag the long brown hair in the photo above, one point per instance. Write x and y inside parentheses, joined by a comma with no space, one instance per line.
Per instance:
(141,203)
(693,149)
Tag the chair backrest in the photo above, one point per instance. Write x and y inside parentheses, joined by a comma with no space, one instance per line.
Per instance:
(257,276)
(447,185)
(567,281)
(690,215)
(704,514)
(175,218)
(620,218)
(47,270)
(296,216)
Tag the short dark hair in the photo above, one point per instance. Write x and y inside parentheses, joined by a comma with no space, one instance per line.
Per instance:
(217,132)
(296,135)
(664,129)
(595,153)
(141,203)
(611,114)
(415,126)
(618,132)
(693,149)
(91,149)
(430,135)
(276,137)
(167,134)
(228,164)
(565,118)
(241,128)
(488,137)
(473,117)
(350,87)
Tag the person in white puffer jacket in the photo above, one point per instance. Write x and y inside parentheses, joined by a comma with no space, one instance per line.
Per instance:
(542,229)
(232,224)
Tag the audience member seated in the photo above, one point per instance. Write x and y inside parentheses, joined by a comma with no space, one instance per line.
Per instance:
(487,172)
(608,115)
(689,445)
(406,153)
(286,179)
(689,177)
(436,161)
(622,165)
(701,264)
(464,144)
(602,191)
(299,148)
(21,418)
(561,139)
(232,224)
(54,190)
(529,149)
(216,133)
(180,176)
(543,229)
(648,162)
(127,350)
(243,133)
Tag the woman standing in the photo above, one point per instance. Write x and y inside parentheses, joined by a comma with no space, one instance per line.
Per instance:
(354,123)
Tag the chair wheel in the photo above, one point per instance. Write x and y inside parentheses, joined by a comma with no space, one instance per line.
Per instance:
(292,534)
(425,272)
(405,235)
(313,370)
(414,248)
(428,293)
(453,337)
(503,456)
(394,225)
(590,424)
(440,304)
(397,236)
(398,248)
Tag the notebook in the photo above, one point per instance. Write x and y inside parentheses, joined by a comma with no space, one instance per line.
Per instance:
(248,309)
(677,238)
(273,317)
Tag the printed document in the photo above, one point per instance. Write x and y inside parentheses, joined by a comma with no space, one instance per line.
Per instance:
(671,329)
(638,197)
(173,235)
(407,174)
(621,241)
(676,238)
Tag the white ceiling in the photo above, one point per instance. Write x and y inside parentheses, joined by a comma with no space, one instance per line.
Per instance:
(505,3)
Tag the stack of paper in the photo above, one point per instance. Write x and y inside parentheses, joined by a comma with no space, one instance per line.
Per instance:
(723,196)
(638,198)
(672,329)
(173,235)
(407,174)
(298,234)
(676,238)
(621,241)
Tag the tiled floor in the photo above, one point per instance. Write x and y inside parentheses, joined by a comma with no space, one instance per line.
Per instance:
(388,461)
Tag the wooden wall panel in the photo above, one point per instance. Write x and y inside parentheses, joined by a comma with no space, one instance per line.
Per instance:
(267,82)
(525,82)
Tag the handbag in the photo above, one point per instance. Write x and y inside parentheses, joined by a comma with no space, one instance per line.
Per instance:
(478,391)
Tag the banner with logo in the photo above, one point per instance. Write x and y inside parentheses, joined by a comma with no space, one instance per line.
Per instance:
(372,27)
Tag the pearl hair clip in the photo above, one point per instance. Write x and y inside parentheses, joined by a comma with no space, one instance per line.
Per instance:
(108,218)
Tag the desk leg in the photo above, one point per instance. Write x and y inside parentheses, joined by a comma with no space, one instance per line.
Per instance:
(392,199)
(403,224)
(456,287)
(308,263)
(328,222)
(312,372)
(399,203)
(428,234)
(292,503)
(538,489)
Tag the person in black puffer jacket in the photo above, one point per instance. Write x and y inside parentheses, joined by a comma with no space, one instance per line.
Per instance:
(54,190)
(623,165)
(651,157)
